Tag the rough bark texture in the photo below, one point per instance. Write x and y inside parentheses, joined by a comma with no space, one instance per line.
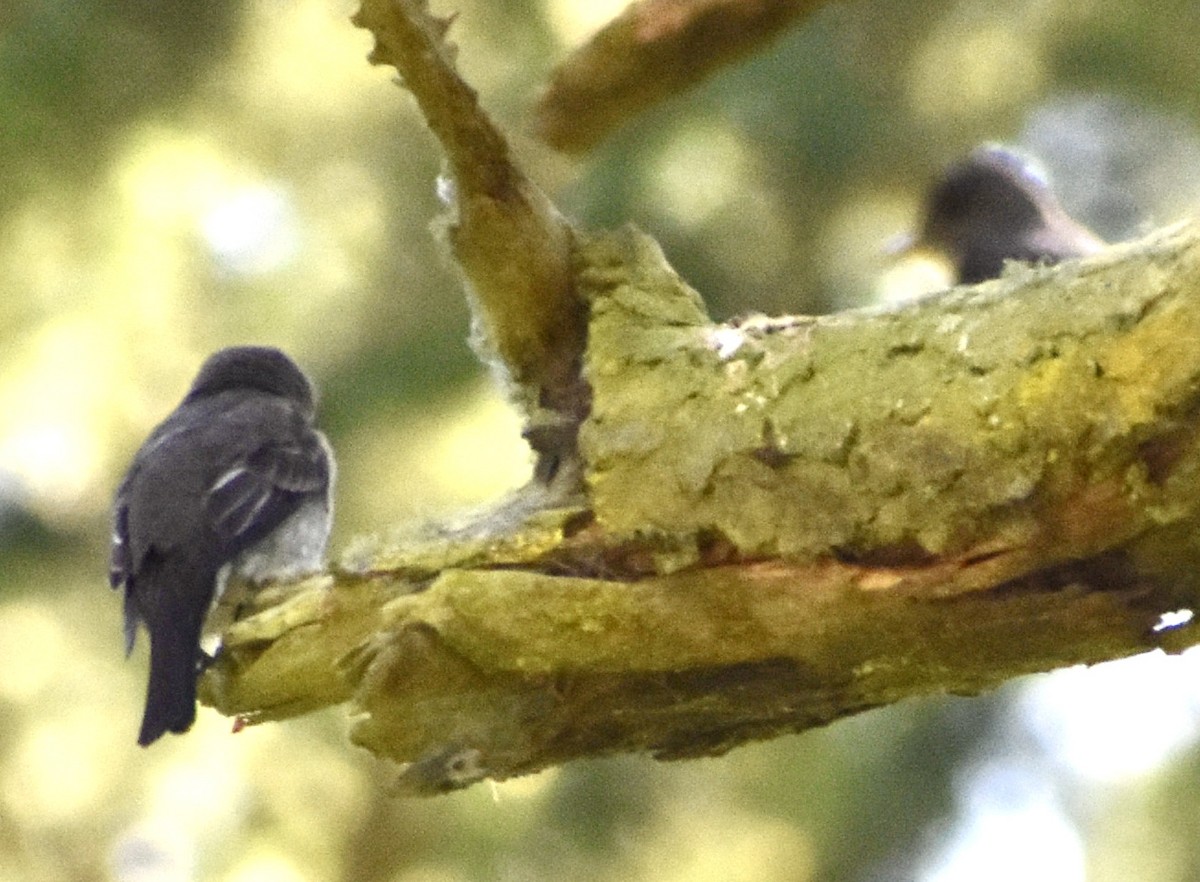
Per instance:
(780,523)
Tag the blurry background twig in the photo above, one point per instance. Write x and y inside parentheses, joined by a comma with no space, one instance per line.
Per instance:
(652,51)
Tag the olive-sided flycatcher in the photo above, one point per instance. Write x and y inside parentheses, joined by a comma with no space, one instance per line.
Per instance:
(237,479)
(994,206)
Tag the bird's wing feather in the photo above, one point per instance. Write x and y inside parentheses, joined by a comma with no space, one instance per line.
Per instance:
(255,494)
(120,563)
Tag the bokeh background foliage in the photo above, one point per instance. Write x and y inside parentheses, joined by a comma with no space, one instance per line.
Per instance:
(178,177)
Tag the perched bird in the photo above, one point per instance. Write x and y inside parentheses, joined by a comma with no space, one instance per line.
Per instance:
(995,206)
(237,479)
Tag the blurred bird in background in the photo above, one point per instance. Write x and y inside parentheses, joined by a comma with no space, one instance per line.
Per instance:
(994,206)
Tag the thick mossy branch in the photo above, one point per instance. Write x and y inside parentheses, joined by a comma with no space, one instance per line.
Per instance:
(784,522)
(1030,416)
(511,243)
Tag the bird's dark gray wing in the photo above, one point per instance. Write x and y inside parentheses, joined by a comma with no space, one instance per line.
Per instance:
(120,565)
(120,562)
(257,493)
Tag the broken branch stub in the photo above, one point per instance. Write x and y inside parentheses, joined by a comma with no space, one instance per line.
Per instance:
(512,245)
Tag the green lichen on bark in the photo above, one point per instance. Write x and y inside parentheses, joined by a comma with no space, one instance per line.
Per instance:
(902,434)
(780,522)
(737,531)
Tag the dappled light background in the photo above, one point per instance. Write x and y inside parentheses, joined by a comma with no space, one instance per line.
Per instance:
(179,177)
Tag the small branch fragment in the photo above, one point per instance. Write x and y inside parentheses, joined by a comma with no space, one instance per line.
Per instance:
(513,246)
(655,49)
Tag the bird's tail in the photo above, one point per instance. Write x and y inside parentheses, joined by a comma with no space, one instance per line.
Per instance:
(171,692)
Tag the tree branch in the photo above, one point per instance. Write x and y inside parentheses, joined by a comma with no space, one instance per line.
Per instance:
(652,51)
(511,243)
(782,522)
